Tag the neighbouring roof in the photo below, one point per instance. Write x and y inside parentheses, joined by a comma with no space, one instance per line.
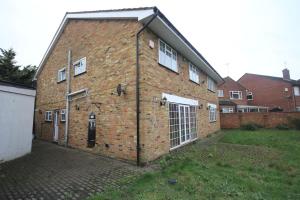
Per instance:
(228,78)
(160,26)
(292,81)
(16,88)
(226,103)
(16,85)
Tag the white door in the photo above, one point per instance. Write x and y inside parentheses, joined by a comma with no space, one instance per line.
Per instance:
(55,135)
(184,121)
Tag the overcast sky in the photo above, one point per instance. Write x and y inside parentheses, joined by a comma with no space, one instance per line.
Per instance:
(235,36)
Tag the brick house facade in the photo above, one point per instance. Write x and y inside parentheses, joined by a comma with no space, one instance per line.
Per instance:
(234,97)
(174,110)
(273,92)
(231,94)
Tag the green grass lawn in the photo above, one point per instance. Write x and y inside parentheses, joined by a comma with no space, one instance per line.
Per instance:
(262,164)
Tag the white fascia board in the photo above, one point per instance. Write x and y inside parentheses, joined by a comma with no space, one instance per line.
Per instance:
(180,100)
(133,14)
(212,105)
(15,90)
(137,14)
(211,72)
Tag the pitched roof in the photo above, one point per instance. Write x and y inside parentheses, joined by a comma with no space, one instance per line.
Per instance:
(160,25)
(230,79)
(292,81)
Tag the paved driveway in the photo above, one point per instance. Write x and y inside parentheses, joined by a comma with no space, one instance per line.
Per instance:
(54,172)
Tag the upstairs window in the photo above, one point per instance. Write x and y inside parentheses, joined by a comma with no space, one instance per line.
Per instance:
(167,56)
(235,94)
(63,115)
(79,66)
(48,116)
(194,73)
(220,93)
(296,91)
(61,76)
(211,84)
(249,96)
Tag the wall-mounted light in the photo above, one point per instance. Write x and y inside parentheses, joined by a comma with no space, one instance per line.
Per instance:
(121,89)
(200,106)
(77,107)
(208,108)
(163,101)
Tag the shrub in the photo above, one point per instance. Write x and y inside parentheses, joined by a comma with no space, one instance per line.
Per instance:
(296,123)
(282,127)
(250,127)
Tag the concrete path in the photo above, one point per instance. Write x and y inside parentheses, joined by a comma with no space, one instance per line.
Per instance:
(55,172)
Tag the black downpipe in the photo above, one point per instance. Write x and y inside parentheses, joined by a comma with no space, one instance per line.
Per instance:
(138,147)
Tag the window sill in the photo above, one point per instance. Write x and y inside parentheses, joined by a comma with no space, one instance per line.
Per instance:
(47,121)
(211,90)
(79,74)
(63,121)
(213,121)
(194,82)
(168,68)
(61,81)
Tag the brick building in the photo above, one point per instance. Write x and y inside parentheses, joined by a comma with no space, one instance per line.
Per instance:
(148,88)
(277,93)
(234,97)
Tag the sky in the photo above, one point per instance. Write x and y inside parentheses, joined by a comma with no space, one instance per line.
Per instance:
(235,36)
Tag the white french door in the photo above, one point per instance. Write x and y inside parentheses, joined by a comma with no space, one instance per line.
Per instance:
(182,120)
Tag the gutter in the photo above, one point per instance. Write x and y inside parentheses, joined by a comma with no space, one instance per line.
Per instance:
(138,147)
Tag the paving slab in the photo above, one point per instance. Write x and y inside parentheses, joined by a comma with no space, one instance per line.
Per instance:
(55,172)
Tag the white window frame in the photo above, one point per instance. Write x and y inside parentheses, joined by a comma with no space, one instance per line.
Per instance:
(239,93)
(220,93)
(194,73)
(211,85)
(59,75)
(79,66)
(249,93)
(212,112)
(227,110)
(48,116)
(63,115)
(182,124)
(296,90)
(169,61)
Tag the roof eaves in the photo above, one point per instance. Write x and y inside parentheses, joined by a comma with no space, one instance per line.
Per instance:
(187,42)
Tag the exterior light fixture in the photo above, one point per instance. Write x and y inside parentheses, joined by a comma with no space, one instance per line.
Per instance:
(121,89)
(163,101)
(200,106)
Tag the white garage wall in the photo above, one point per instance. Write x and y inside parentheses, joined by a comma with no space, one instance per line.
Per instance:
(16,120)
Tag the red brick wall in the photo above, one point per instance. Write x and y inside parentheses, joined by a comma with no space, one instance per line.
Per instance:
(231,85)
(269,92)
(267,120)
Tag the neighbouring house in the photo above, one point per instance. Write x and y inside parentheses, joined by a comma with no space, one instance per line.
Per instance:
(125,84)
(16,120)
(234,97)
(277,93)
